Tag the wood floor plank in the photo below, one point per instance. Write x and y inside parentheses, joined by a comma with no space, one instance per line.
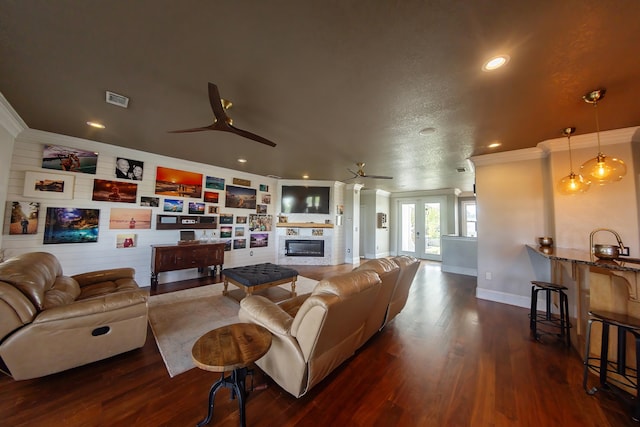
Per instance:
(448,359)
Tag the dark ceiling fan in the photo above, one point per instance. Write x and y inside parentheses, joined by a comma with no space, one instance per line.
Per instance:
(221,121)
(361,174)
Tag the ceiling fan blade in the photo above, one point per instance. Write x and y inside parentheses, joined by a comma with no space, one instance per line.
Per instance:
(355,174)
(378,177)
(192,129)
(216,105)
(252,136)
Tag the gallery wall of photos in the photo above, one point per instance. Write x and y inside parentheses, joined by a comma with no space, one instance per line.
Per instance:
(95,205)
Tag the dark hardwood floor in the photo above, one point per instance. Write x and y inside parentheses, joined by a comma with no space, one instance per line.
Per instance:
(448,359)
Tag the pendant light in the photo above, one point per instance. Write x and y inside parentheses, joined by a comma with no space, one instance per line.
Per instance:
(601,169)
(572,183)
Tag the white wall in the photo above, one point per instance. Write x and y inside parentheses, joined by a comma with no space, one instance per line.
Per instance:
(510,207)
(82,257)
(351,223)
(375,242)
(10,126)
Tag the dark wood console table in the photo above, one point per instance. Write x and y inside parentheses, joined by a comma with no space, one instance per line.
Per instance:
(180,257)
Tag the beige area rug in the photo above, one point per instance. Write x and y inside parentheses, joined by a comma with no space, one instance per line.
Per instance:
(179,318)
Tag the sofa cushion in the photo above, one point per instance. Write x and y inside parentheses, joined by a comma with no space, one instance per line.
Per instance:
(64,291)
(33,274)
(108,287)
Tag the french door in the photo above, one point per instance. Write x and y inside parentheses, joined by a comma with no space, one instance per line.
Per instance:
(420,226)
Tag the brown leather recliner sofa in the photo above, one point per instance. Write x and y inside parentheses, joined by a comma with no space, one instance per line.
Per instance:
(50,322)
(315,333)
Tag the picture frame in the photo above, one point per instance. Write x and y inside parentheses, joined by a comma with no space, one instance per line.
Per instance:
(196,208)
(105,190)
(174,182)
(264,187)
(130,218)
(150,202)
(129,169)
(226,231)
(211,196)
(259,240)
(173,205)
(24,217)
(240,197)
(243,182)
(71,225)
(44,185)
(214,183)
(69,159)
(126,241)
(239,243)
(226,218)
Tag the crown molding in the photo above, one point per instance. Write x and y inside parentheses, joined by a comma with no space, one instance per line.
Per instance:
(9,118)
(534,153)
(609,137)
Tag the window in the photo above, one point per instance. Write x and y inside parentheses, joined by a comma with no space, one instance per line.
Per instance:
(469,219)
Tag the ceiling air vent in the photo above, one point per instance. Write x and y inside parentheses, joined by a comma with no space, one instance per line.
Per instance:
(461,169)
(115,99)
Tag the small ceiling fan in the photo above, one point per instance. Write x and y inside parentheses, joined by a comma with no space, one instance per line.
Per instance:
(221,121)
(361,174)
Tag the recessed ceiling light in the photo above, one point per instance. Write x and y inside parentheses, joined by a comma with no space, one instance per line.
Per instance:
(427,131)
(242,160)
(96,125)
(495,145)
(495,62)
(305,176)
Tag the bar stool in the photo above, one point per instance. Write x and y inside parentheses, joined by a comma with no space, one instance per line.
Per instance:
(560,321)
(626,376)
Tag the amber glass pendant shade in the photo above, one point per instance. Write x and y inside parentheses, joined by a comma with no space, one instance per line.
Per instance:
(601,169)
(572,183)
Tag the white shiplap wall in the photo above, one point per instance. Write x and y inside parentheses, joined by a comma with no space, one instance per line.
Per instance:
(83,257)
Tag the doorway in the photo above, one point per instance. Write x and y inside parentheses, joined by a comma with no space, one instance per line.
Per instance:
(420,226)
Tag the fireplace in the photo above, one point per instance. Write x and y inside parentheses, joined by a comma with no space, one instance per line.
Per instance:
(309,248)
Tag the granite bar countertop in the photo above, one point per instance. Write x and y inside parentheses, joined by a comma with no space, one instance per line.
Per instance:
(584,257)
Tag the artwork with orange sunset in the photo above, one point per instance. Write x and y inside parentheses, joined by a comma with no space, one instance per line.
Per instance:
(173,182)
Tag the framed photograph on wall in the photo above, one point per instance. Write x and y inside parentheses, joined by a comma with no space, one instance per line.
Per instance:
(240,197)
(71,225)
(105,190)
(69,159)
(152,202)
(239,243)
(226,218)
(44,185)
(211,196)
(126,240)
(173,182)
(196,208)
(129,169)
(173,205)
(123,218)
(259,240)
(24,217)
(214,183)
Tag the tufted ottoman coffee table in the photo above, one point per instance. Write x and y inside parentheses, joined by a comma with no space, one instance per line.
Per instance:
(252,278)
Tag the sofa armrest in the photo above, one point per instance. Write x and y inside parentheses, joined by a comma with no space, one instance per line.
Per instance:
(101,304)
(110,275)
(260,310)
(292,305)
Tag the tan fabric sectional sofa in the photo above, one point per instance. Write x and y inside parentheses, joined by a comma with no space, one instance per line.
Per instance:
(313,334)
(50,322)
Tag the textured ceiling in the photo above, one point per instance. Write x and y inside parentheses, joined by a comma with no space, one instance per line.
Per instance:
(331,82)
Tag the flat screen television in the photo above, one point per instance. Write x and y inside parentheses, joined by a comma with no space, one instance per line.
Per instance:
(303,199)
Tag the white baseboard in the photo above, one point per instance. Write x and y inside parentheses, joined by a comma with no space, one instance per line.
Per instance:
(504,298)
(459,270)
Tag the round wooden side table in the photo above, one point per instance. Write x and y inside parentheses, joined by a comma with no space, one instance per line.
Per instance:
(230,348)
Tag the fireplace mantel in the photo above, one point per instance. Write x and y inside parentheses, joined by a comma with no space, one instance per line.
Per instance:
(304,225)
